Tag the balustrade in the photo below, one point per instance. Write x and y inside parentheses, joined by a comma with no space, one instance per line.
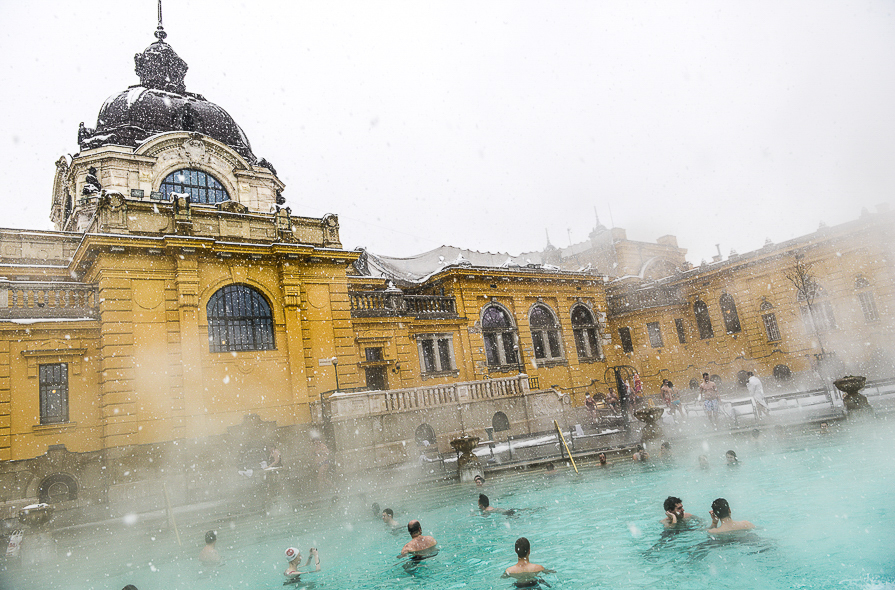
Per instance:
(46,300)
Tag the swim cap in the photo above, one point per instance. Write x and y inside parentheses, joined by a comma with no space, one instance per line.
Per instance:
(292,553)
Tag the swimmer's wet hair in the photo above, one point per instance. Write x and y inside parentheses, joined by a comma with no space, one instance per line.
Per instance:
(721,508)
(478,478)
(671,502)
(523,547)
(210,537)
(414,526)
(732,453)
(389,511)
(484,501)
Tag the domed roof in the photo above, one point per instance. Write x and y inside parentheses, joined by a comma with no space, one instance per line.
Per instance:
(160,103)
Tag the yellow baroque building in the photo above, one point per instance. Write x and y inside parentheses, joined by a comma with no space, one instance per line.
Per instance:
(180,322)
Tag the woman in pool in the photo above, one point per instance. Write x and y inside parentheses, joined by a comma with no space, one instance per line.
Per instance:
(524,572)
(294,557)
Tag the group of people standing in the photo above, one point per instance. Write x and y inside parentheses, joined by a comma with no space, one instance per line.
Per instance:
(709,393)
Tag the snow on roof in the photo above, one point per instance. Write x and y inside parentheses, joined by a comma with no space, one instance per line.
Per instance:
(418,268)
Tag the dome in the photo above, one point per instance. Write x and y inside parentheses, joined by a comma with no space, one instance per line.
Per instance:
(160,103)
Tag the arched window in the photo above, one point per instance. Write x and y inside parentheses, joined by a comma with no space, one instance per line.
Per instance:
(500,422)
(703,321)
(200,186)
(585,330)
(544,333)
(57,488)
(425,435)
(729,313)
(500,337)
(782,373)
(239,318)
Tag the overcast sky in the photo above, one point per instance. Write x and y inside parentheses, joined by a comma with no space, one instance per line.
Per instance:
(483,124)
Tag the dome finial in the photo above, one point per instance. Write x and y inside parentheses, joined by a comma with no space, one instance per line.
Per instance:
(160,33)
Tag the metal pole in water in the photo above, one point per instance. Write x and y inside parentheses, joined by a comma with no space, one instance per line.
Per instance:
(171,513)
(563,439)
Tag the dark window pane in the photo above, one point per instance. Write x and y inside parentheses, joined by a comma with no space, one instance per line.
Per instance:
(429,356)
(200,186)
(444,355)
(491,353)
(508,351)
(538,339)
(553,340)
(239,318)
(625,335)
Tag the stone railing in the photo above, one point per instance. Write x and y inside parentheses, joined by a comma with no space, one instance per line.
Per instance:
(644,299)
(394,303)
(346,405)
(47,300)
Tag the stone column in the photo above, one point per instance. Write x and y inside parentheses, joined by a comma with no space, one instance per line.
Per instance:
(186,278)
(295,352)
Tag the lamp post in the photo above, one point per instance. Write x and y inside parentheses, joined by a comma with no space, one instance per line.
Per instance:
(336,371)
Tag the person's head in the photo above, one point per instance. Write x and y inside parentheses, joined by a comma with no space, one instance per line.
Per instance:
(705,376)
(666,446)
(523,547)
(721,508)
(731,456)
(602,458)
(484,502)
(824,426)
(670,384)
(479,480)
(129,587)
(388,514)
(210,537)
(587,395)
(673,504)
(293,555)
(749,373)
(414,528)
(756,433)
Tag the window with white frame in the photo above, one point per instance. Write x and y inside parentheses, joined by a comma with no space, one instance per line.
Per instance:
(499,334)
(436,352)
(820,316)
(53,384)
(868,306)
(769,318)
(545,333)
(584,328)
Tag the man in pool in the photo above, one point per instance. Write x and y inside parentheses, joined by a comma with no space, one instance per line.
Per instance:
(524,572)
(388,517)
(722,522)
(209,554)
(486,507)
(711,398)
(420,546)
(479,480)
(674,512)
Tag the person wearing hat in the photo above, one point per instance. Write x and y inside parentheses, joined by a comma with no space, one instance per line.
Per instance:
(294,557)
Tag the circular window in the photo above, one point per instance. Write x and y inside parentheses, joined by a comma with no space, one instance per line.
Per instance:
(57,488)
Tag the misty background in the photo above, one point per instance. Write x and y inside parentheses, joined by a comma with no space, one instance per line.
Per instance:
(481,125)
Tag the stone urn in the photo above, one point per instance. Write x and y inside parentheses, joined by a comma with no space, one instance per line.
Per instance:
(464,445)
(850,385)
(36,515)
(650,418)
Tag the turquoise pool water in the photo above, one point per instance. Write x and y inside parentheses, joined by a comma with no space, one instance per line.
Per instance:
(824,505)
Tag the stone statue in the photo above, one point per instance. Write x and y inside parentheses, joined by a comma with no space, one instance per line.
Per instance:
(91,184)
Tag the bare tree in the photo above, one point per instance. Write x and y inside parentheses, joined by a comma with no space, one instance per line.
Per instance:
(803,278)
